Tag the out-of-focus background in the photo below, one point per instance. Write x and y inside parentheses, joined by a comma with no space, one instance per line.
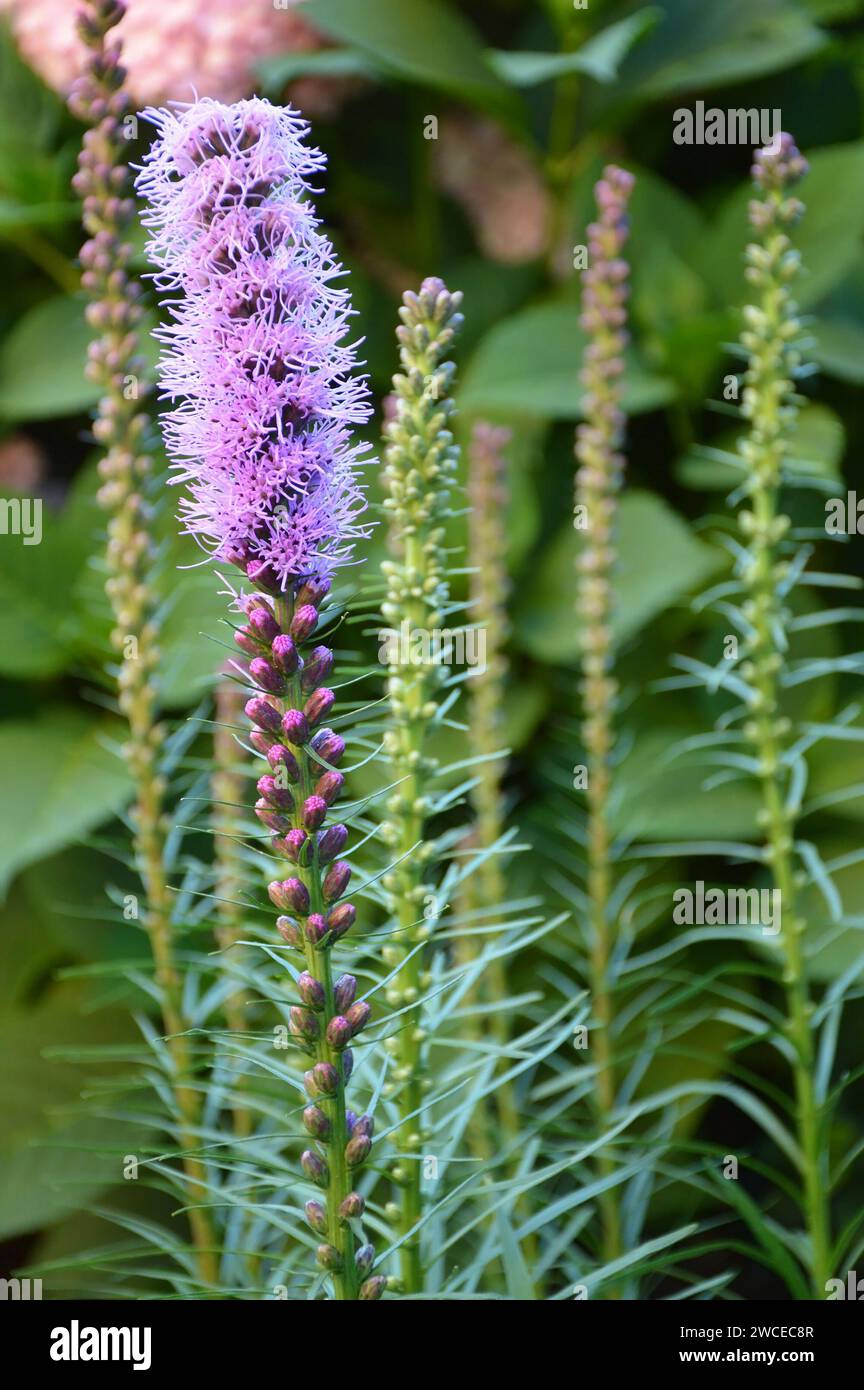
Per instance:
(463,141)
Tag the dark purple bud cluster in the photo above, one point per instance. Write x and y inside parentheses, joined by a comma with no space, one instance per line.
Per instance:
(294,800)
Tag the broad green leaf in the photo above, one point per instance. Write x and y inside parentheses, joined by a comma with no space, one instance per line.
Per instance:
(425,41)
(600,57)
(661,562)
(40,632)
(50,1162)
(42,363)
(529,365)
(696,47)
(58,782)
(839,347)
(660,793)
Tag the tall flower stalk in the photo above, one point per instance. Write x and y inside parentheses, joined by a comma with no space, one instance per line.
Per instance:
(121,428)
(598,479)
(771,339)
(229,784)
(488,593)
(262,441)
(421,460)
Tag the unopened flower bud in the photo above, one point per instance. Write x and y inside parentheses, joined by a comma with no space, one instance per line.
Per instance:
(317,668)
(303,1024)
(315,1168)
(292,844)
(317,1217)
(262,713)
(329,786)
(331,842)
(316,929)
(319,705)
(316,1122)
(336,880)
(340,919)
(278,756)
(330,747)
(365,1258)
(295,727)
(290,895)
(329,1258)
(338,1032)
(285,654)
(261,741)
(263,625)
(314,812)
(266,676)
(274,795)
(326,1078)
(359,1014)
(372,1289)
(311,991)
(357,1150)
(274,820)
(344,991)
(312,591)
(304,622)
(351,1207)
(289,930)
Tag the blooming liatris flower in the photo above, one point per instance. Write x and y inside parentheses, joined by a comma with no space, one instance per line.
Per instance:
(262,441)
(256,350)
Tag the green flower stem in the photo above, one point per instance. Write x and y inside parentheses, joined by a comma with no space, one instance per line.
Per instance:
(229,786)
(340,1235)
(598,481)
(489,589)
(121,427)
(771,339)
(421,459)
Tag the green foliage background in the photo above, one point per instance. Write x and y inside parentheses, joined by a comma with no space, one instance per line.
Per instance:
(575,88)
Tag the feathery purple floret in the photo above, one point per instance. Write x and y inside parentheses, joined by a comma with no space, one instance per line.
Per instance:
(262,383)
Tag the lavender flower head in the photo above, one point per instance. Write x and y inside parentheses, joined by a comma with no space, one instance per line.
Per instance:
(263,386)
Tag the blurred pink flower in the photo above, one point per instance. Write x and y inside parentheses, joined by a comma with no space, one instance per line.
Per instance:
(173,49)
(499,186)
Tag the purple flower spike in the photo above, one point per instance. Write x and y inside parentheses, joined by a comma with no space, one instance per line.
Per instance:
(263,384)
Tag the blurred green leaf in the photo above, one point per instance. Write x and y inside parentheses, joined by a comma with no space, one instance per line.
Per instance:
(50,1163)
(42,363)
(660,563)
(599,57)
(696,46)
(529,365)
(59,781)
(426,42)
(318,62)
